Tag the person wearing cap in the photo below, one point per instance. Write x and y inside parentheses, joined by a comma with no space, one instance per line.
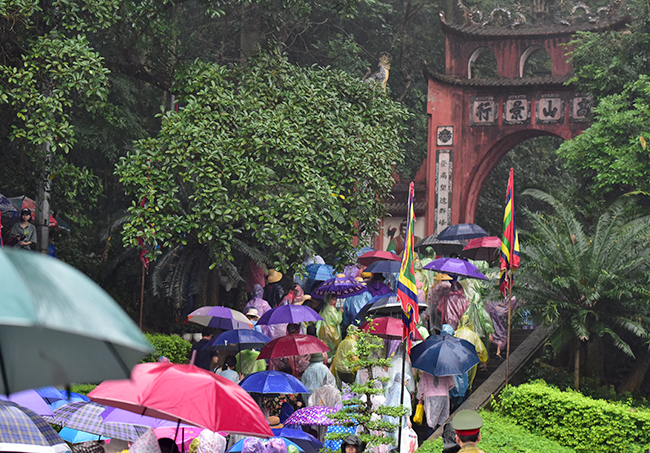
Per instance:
(467,425)
(24,232)
(273,292)
(317,374)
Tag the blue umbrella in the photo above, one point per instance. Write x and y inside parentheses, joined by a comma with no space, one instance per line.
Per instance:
(462,232)
(384,267)
(305,440)
(363,250)
(272,382)
(24,430)
(74,436)
(238,446)
(455,266)
(236,340)
(444,355)
(50,394)
(320,272)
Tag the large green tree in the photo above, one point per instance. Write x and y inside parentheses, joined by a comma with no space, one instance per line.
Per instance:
(271,158)
(588,282)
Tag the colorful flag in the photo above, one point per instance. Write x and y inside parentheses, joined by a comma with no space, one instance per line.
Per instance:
(406,286)
(510,239)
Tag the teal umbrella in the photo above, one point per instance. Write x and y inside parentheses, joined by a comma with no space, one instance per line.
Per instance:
(58,327)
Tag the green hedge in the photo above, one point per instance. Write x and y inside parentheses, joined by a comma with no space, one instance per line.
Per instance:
(502,434)
(171,346)
(577,421)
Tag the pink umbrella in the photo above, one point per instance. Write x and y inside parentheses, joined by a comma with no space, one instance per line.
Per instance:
(377,255)
(291,345)
(185,394)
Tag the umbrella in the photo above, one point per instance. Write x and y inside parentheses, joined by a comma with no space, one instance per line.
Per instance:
(462,231)
(483,249)
(86,416)
(305,440)
(444,355)
(220,318)
(289,314)
(341,287)
(236,340)
(455,266)
(183,438)
(7,207)
(74,436)
(239,445)
(384,267)
(25,431)
(291,345)
(50,394)
(59,327)
(388,303)
(361,250)
(441,247)
(377,255)
(272,382)
(187,394)
(23,202)
(31,400)
(386,327)
(320,272)
(73,397)
(115,415)
(313,415)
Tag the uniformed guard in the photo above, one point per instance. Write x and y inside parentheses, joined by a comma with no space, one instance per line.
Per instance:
(467,425)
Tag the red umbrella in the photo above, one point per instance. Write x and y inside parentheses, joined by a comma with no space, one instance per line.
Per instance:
(291,345)
(377,255)
(185,394)
(482,249)
(387,327)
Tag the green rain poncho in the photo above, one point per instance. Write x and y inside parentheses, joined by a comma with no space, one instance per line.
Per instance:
(329,329)
(247,361)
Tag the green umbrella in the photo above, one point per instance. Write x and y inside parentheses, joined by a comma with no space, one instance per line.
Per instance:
(58,327)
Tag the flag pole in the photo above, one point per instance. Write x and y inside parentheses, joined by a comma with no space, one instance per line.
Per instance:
(509,297)
(142,295)
(401,399)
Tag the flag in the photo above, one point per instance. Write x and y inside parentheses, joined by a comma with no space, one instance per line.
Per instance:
(406,286)
(510,239)
(143,249)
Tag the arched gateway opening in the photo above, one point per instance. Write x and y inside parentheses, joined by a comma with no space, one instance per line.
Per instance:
(474,122)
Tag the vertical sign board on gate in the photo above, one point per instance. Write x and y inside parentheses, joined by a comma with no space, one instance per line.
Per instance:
(443,189)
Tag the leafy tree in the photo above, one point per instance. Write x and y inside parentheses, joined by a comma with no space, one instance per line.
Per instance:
(374,431)
(586,282)
(271,157)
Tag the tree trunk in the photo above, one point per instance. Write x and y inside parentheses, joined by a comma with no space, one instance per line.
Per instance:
(595,363)
(251,33)
(576,365)
(43,203)
(634,380)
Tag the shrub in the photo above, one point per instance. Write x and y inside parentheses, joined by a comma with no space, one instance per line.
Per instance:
(577,421)
(502,434)
(83,389)
(171,346)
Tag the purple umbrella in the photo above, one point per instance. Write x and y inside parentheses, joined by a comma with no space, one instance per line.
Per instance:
(289,314)
(115,415)
(455,266)
(341,287)
(31,400)
(313,415)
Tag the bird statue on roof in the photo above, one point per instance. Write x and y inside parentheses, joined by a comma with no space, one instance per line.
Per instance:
(381,75)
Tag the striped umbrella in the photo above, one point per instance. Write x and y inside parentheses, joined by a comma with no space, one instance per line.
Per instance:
(25,431)
(86,416)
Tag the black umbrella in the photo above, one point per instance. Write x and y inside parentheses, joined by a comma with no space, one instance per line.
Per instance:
(462,231)
(381,267)
(443,247)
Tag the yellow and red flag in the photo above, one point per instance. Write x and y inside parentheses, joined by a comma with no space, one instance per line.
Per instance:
(406,287)
(510,238)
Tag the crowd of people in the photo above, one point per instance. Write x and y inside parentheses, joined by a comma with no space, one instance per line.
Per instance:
(454,308)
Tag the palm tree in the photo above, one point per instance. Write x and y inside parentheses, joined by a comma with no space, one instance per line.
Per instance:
(585,281)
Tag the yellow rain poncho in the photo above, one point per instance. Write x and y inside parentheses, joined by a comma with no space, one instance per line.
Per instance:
(465,332)
(329,329)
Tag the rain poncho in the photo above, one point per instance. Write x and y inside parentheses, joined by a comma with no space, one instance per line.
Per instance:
(248,363)
(210,442)
(317,375)
(453,306)
(294,296)
(461,381)
(231,375)
(436,293)
(478,315)
(353,305)
(396,367)
(434,393)
(257,302)
(466,333)
(393,399)
(499,313)
(348,346)
(377,288)
(329,329)
(327,395)
(276,445)
(377,373)
(253,445)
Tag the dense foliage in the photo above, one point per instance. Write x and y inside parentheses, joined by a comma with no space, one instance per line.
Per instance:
(502,434)
(175,348)
(586,281)
(576,421)
(271,157)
